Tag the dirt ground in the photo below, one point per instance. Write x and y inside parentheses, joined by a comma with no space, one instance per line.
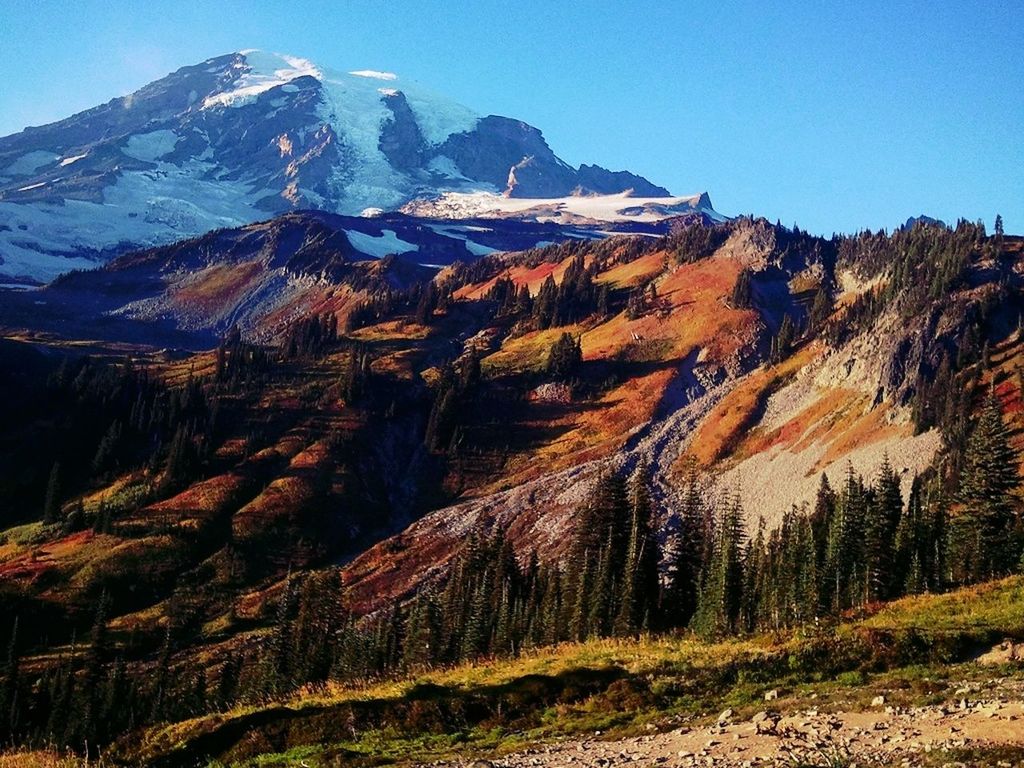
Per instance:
(883,734)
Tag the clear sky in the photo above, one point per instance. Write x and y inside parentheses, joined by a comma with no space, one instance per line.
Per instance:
(833,115)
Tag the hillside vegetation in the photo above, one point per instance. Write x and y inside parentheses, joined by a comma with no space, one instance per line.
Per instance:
(731,430)
(914,651)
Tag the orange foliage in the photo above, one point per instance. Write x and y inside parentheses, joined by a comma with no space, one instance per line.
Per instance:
(729,421)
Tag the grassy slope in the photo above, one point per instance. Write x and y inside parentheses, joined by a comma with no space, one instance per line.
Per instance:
(905,649)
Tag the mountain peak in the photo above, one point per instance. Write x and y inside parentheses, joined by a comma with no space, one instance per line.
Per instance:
(246,135)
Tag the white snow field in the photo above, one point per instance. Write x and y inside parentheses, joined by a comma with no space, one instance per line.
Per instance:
(611,208)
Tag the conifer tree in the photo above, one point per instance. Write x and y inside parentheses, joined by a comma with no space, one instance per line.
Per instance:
(820,309)
(844,580)
(639,585)
(783,341)
(883,518)
(720,599)
(423,632)
(680,602)
(756,564)
(52,502)
(599,555)
(95,658)
(742,290)
(983,529)
(821,526)
(545,304)
(162,678)
(564,357)
(9,694)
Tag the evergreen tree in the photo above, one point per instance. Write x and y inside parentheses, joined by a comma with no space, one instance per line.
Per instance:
(680,601)
(742,291)
(821,527)
(545,304)
(844,575)
(756,564)
(821,309)
(720,599)
(318,622)
(52,502)
(565,356)
(423,632)
(639,586)
(599,554)
(783,341)
(10,704)
(92,673)
(984,526)
(883,518)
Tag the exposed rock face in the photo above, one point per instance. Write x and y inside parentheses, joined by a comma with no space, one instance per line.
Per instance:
(598,179)
(400,138)
(237,137)
(490,152)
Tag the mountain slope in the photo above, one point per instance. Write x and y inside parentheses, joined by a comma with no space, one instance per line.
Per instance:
(264,276)
(408,481)
(237,137)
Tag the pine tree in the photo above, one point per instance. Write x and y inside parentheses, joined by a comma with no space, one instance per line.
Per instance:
(639,585)
(742,293)
(883,518)
(821,526)
(844,575)
(821,309)
(106,451)
(564,357)
(159,709)
(756,564)
(680,602)
(783,341)
(545,304)
(95,658)
(983,528)
(806,606)
(52,502)
(423,632)
(9,703)
(721,594)
(598,557)
(318,621)
(911,549)
(278,660)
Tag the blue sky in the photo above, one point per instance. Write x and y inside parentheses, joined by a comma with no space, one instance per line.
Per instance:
(833,115)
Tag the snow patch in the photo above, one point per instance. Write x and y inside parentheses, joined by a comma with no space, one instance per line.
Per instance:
(437,117)
(375,74)
(151,146)
(381,245)
(463,234)
(72,159)
(445,166)
(611,208)
(263,71)
(29,163)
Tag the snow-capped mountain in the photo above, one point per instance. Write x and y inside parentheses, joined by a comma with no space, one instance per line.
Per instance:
(242,137)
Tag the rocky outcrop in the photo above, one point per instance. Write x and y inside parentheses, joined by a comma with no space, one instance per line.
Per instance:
(401,140)
(594,178)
